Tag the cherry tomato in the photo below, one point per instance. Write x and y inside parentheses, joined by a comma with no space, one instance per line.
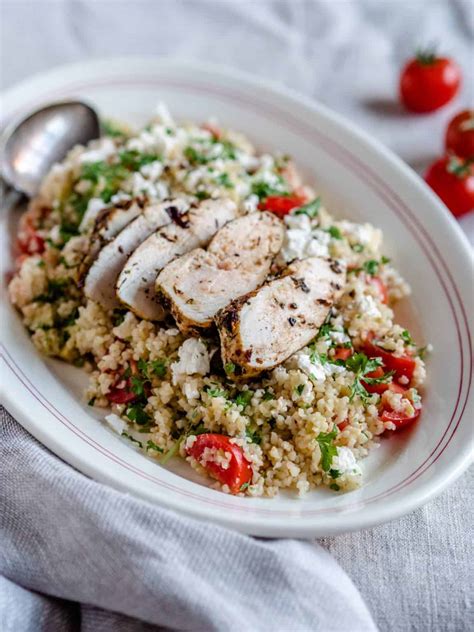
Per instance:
(121,392)
(239,471)
(460,135)
(281,205)
(453,181)
(403,366)
(399,419)
(375,388)
(428,82)
(342,353)
(380,287)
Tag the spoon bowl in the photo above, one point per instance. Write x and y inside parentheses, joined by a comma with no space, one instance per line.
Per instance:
(33,145)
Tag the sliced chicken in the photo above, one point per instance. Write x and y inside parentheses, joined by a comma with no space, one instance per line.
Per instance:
(260,330)
(198,284)
(136,283)
(100,280)
(108,224)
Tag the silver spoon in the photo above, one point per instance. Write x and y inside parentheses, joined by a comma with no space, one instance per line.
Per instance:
(32,146)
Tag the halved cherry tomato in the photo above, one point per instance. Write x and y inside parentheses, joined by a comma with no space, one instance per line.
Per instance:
(281,205)
(342,353)
(239,471)
(380,287)
(375,388)
(428,82)
(404,366)
(453,181)
(460,135)
(121,392)
(399,419)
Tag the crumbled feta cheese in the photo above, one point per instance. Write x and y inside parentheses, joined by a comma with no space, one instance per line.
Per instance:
(251,203)
(345,463)
(339,336)
(368,306)
(298,222)
(295,244)
(94,207)
(314,368)
(100,150)
(153,170)
(117,424)
(364,234)
(193,358)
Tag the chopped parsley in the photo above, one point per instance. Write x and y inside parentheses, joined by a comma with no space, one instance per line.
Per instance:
(253,435)
(328,450)
(215,392)
(334,232)
(406,337)
(311,209)
(334,473)
(371,267)
(361,365)
(118,316)
(267,396)
(41,263)
(243,487)
(110,128)
(357,248)
(136,413)
(263,189)
(229,367)
(243,398)
(224,180)
(334,486)
(91,402)
(55,290)
(195,157)
(151,445)
(299,389)
(132,439)
(158,367)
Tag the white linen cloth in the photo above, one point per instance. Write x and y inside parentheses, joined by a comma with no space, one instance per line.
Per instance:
(68,537)
(415,573)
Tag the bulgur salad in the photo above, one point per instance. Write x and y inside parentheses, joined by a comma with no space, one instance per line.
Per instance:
(223,314)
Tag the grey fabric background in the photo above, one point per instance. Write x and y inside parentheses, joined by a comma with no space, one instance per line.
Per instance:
(415,573)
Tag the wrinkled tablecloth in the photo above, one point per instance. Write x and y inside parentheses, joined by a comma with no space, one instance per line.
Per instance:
(415,573)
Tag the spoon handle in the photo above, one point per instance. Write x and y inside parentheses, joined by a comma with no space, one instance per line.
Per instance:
(9,197)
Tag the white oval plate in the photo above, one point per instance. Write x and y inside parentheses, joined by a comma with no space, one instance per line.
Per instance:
(360,180)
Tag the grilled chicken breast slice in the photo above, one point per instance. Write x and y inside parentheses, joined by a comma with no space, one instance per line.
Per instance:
(100,281)
(262,329)
(109,222)
(198,284)
(136,283)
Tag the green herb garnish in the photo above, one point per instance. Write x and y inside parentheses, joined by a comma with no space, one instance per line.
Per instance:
(136,413)
(328,450)
(311,209)
(151,445)
(243,398)
(334,232)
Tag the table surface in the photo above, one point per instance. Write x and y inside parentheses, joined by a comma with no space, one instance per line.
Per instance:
(415,573)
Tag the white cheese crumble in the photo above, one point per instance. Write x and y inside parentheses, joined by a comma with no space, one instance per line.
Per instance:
(314,368)
(251,203)
(368,306)
(302,241)
(117,424)
(152,170)
(364,234)
(345,462)
(193,357)
(100,151)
